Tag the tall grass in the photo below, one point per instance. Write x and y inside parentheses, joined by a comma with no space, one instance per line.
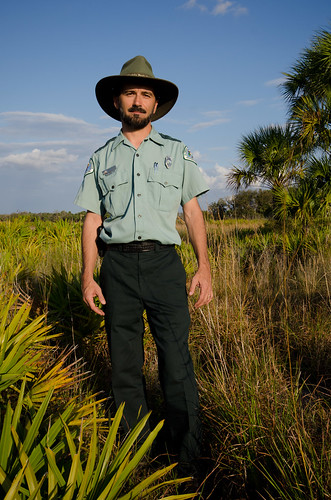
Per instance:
(261,348)
(263,357)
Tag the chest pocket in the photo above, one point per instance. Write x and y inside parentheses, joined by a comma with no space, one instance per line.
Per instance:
(116,193)
(164,188)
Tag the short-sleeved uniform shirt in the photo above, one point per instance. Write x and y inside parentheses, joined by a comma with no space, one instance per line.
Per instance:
(138,191)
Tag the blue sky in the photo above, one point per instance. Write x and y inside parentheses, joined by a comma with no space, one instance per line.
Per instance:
(227,58)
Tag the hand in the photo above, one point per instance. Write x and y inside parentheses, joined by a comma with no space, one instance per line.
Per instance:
(202,280)
(90,291)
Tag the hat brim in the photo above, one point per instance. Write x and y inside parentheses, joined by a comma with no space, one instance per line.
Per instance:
(166,93)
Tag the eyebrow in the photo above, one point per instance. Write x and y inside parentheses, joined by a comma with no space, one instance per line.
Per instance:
(133,89)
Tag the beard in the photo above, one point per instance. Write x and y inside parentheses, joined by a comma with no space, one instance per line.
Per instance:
(135,122)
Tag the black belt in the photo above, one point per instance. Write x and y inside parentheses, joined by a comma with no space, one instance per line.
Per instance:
(138,246)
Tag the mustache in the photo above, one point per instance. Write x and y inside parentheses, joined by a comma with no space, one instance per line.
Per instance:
(136,108)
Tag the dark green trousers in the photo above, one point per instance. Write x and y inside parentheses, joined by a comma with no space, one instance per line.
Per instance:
(154,281)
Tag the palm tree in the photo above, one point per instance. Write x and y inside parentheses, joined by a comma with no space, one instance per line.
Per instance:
(308,91)
(282,158)
(311,198)
(272,158)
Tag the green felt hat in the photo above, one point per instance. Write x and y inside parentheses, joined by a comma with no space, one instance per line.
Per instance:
(136,71)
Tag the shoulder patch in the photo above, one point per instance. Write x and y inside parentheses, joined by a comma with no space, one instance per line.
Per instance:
(188,155)
(89,168)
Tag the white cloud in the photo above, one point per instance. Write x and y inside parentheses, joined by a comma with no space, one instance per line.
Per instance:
(30,116)
(206,124)
(26,123)
(216,177)
(48,141)
(222,173)
(276,82)
(194,3)
(48,160)
(214,113)
(249,102)
(197,156)
(43,157)
(221,7)
(210,179)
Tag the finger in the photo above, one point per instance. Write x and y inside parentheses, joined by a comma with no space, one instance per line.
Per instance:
(205,297)
(193,286)
(94,307)
(101,297)
(97,310)
(89,301)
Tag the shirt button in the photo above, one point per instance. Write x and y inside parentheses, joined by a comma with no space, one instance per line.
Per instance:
(139,216)
(138,194)
(139,237)
(137,155)
(138,174)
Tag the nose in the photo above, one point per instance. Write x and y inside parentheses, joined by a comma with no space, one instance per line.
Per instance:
(137,99)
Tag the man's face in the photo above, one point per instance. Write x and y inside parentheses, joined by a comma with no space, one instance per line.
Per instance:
(136,106)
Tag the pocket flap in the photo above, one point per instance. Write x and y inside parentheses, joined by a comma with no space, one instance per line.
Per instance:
(165,178)
(111,178)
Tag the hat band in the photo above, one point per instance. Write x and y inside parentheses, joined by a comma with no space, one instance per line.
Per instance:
(139,74)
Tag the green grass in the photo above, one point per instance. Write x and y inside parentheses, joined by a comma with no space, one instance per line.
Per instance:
(262,348)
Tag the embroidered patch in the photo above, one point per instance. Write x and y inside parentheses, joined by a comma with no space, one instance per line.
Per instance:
(168,161)
(109,170)
(89,168)
(188,155)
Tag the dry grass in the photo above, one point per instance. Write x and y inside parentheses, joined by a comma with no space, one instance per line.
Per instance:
(262,348)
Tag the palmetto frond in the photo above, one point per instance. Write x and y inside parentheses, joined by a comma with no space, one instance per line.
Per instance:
(271,156)
(50,455)
(308,91)
(311,118)
(311,74)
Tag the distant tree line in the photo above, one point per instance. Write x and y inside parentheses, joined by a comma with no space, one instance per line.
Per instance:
(248,204)
(46,216)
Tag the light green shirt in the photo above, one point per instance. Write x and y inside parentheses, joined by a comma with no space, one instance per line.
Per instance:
(139,191)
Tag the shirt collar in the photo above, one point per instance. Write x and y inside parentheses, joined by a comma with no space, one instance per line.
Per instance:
(153,136)
(156,137)
(120,138)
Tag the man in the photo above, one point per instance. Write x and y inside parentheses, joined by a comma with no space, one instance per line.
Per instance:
(133,187)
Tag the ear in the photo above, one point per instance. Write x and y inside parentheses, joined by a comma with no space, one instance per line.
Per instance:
(116,104)
(155,106)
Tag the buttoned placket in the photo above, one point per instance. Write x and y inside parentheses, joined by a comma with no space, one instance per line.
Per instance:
(137,193)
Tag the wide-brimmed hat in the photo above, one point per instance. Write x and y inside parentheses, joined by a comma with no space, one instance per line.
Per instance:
(136,71)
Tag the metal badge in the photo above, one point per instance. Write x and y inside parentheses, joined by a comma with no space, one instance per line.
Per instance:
(109,170)
(168,161)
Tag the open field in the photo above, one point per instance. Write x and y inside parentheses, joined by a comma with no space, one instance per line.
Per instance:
(262,348)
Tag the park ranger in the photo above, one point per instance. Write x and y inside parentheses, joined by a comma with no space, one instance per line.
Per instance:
(132,189)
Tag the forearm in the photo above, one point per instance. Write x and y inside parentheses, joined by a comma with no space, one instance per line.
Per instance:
(197,233)
(90,288)
(89,248)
